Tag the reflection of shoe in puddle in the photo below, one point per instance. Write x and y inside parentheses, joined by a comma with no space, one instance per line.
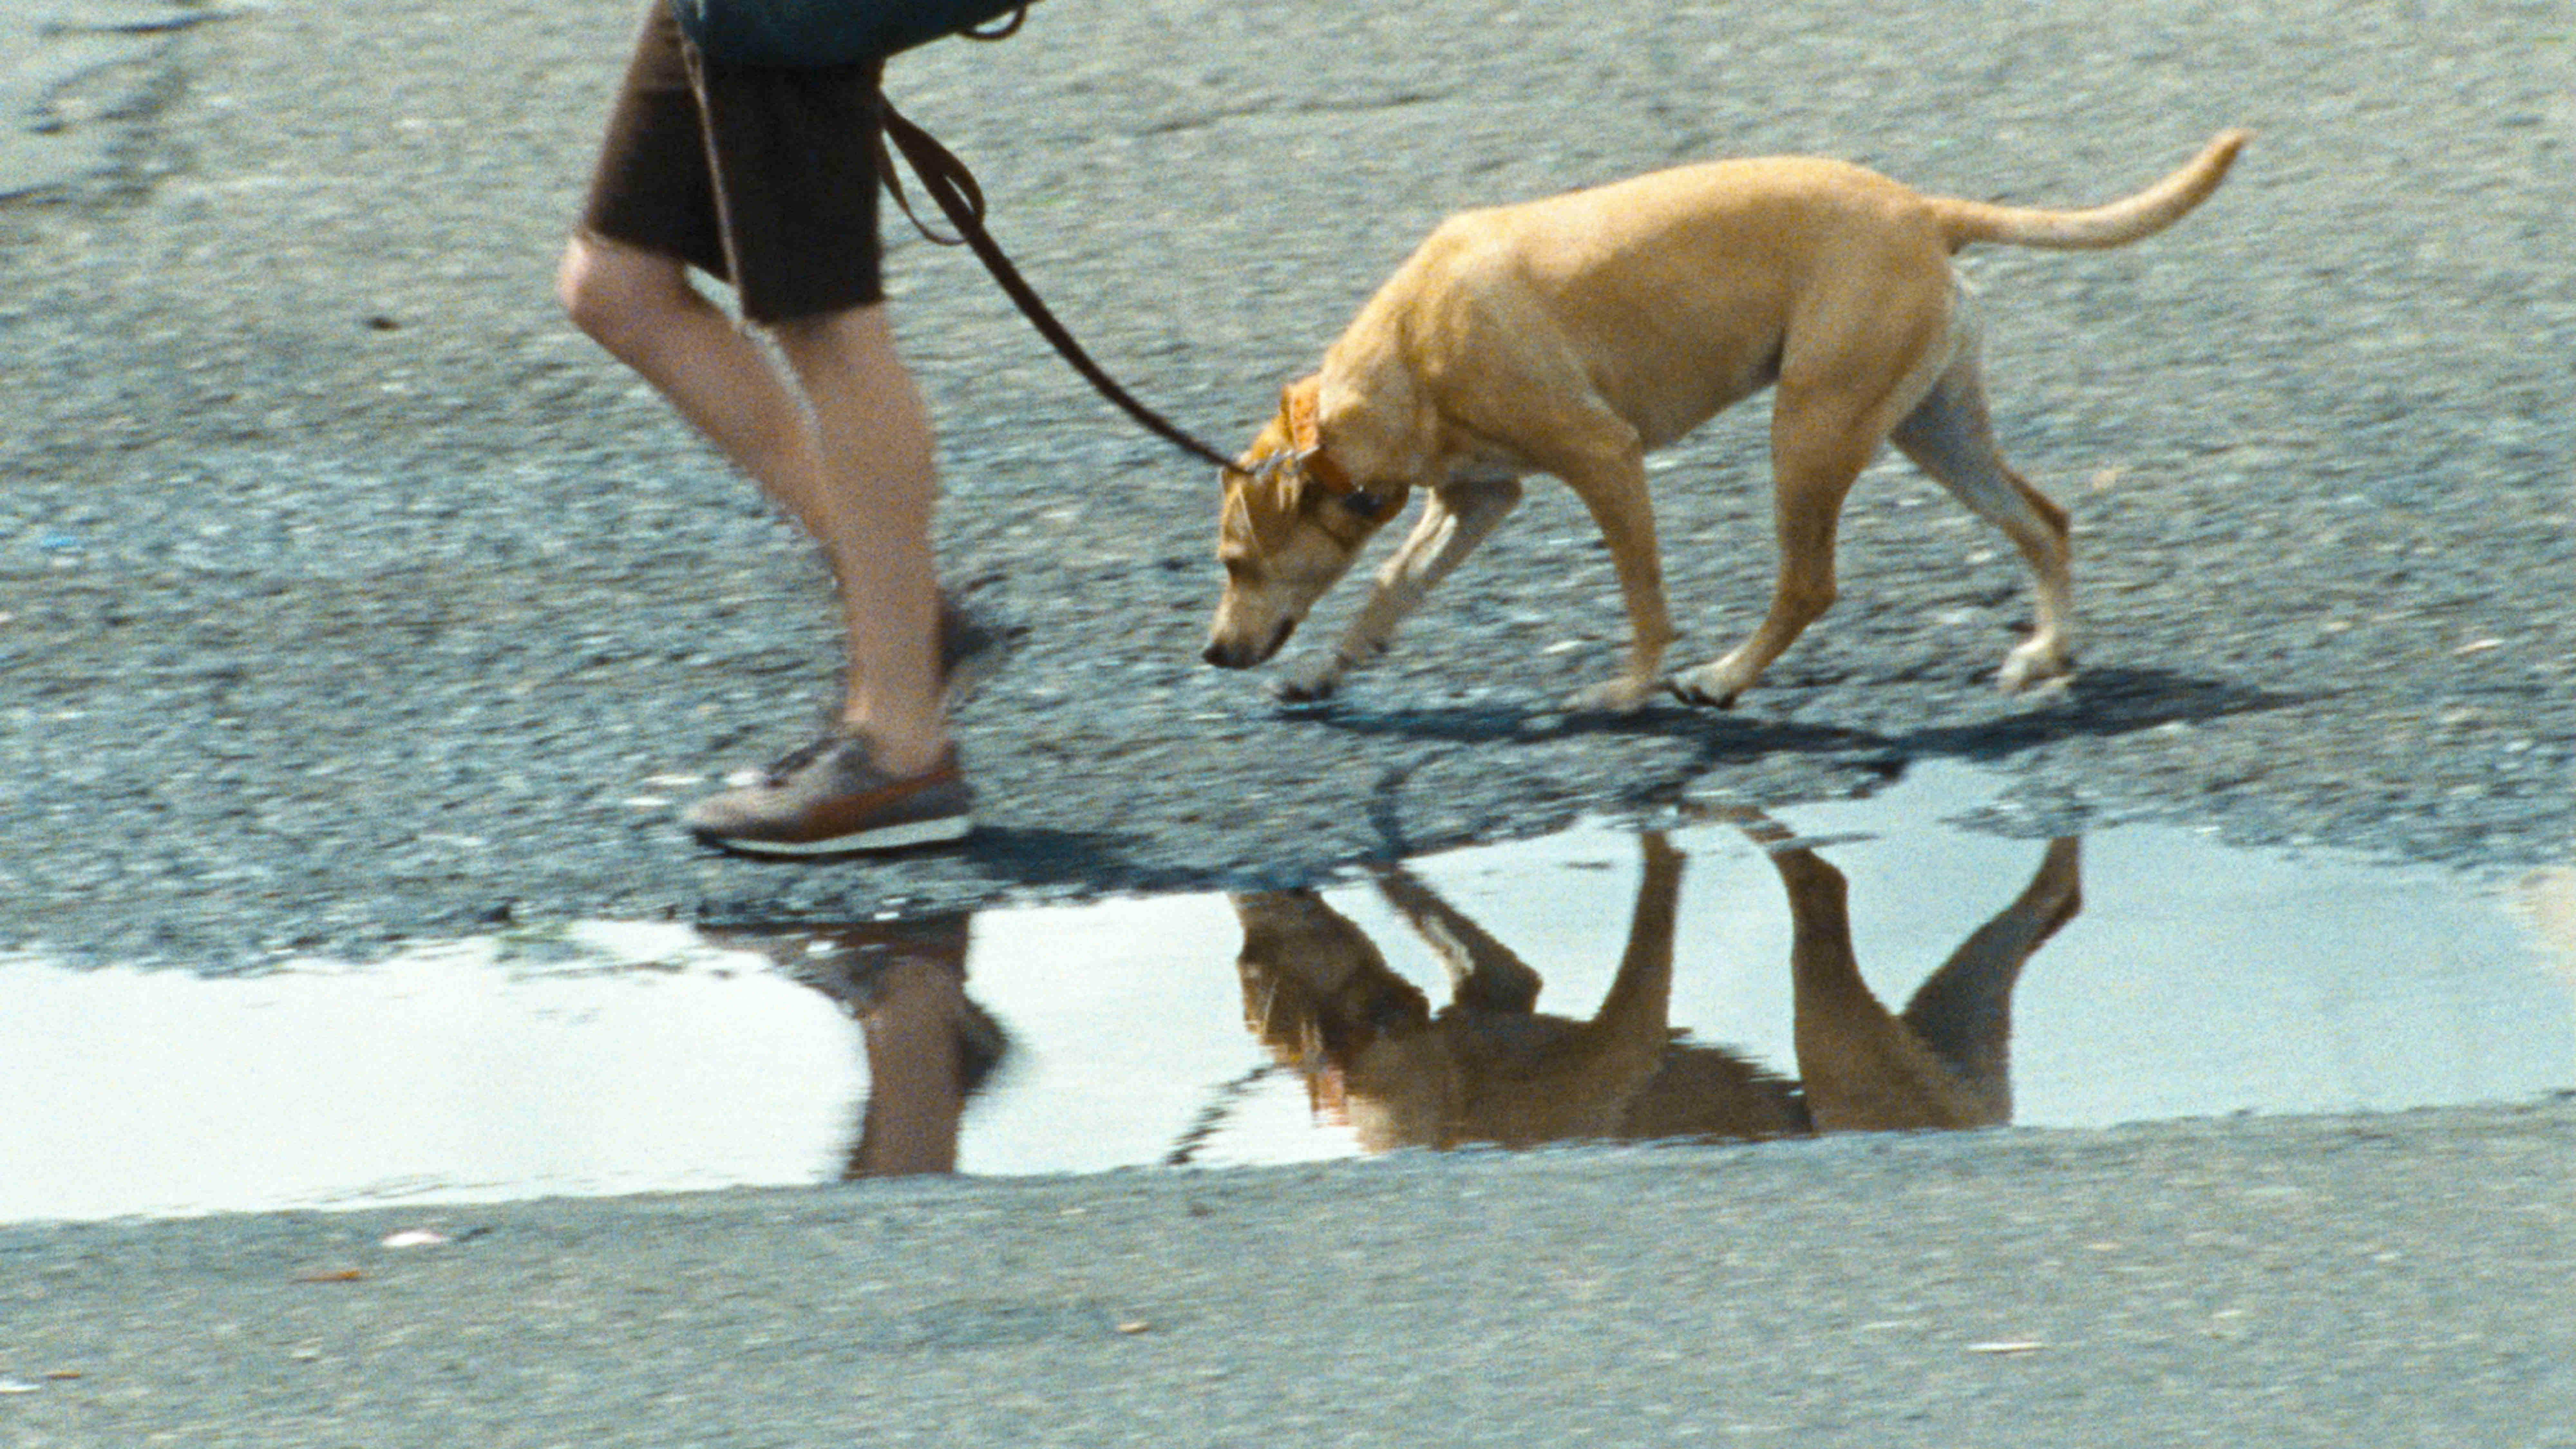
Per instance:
(981,1047)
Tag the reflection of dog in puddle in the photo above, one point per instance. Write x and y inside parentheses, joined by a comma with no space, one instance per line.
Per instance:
(1490,1068)
(929,1048)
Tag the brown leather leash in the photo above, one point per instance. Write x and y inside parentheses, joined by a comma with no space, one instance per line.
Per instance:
(961,198)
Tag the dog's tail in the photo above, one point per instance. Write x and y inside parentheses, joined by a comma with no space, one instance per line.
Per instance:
(2118,224)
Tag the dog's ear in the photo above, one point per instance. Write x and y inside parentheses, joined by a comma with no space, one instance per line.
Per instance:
(1301,404)
(1271,450)
(1299,409)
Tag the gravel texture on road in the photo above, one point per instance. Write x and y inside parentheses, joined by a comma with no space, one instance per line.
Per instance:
(347,595)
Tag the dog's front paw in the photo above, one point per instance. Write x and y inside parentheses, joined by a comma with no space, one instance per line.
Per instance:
(1624,695)
(1308,681)
(1712,685)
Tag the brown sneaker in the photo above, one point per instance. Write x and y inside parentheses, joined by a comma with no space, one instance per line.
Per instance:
(830,798)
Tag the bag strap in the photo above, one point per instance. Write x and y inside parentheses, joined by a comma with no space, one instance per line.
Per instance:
(954,187)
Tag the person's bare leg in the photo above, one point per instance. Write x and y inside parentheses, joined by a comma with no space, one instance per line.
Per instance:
(640,306)
(877,487)
(851,459)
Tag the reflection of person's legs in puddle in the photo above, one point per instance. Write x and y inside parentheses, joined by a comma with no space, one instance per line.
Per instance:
(1945,1062)
(929,1047)
(921,1065)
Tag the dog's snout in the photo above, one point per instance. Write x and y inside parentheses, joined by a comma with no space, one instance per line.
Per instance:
(1226,653)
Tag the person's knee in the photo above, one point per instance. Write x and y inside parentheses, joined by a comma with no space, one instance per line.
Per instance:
(609,290)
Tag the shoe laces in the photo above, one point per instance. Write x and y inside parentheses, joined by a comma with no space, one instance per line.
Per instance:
(798,758)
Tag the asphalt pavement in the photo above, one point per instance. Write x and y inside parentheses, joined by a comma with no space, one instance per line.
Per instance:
(2402,1280)
(346,597)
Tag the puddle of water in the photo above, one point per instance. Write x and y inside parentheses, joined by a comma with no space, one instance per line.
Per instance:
(444,1074)
(2191,980)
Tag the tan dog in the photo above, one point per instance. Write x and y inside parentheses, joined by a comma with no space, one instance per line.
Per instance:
(1574,335)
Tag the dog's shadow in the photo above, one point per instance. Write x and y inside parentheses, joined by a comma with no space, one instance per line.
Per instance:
(2103,704)
(2099,703)
(1489,1068)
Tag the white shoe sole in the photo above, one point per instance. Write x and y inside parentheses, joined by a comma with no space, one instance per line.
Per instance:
(890,837)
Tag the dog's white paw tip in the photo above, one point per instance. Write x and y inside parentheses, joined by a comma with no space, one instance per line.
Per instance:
(1698,698)
(1704,689)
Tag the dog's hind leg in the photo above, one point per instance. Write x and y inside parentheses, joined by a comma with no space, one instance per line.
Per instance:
(1950,437)
(1460,515)
(1854,361)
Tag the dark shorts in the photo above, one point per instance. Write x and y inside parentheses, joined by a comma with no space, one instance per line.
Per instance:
(767,178)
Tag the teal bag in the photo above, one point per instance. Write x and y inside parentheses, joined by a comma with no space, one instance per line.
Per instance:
(833,32)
